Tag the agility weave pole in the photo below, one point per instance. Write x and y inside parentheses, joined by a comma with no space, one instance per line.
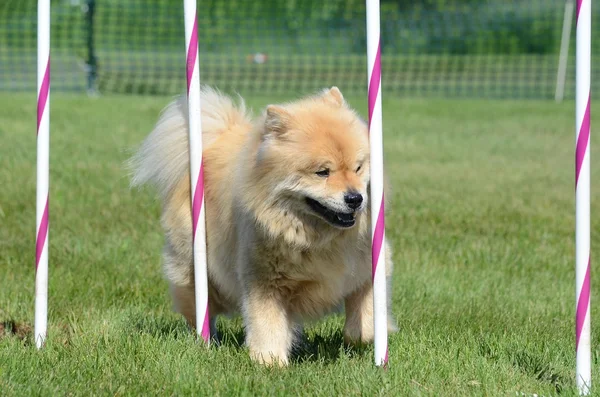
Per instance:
(196,170)
(377,196)
(582,195)
(43,174)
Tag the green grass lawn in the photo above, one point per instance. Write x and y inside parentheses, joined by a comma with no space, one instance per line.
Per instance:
(482,225)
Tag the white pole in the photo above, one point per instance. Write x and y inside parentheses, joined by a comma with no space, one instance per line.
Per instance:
(196,170)
(561,73)
(43,165)
(43,175)
(377,199)
(582,195)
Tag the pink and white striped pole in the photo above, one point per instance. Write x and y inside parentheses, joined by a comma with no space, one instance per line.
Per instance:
(582,196)
(377,200)
(43,174)
(196,170)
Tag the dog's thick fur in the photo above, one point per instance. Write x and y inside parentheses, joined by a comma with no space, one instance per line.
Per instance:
(271,255)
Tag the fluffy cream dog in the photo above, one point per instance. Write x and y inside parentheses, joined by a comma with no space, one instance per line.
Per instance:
(287,215)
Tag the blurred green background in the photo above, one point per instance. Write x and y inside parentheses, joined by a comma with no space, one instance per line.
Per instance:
(464,48)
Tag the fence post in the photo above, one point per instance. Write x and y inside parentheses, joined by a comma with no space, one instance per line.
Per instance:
(92,62)
(561,73)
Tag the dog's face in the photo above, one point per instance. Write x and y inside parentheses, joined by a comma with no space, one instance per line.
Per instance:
(318,149)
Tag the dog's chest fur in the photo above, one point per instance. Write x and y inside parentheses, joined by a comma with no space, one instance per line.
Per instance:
(310,282)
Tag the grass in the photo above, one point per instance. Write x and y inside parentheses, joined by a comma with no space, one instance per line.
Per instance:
(481,221)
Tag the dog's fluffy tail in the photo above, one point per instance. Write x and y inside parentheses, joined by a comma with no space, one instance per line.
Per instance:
(163,157)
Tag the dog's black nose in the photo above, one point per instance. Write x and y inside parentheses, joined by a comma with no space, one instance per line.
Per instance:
(353,199)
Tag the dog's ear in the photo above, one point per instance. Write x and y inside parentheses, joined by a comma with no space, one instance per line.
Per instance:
(277,120)
(333,96)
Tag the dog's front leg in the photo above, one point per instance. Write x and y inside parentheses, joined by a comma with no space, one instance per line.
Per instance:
(269,329)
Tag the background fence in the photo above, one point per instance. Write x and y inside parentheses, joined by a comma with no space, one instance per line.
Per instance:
(455,48)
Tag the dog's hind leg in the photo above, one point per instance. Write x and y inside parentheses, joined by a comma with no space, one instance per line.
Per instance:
(185,303)
(359,308)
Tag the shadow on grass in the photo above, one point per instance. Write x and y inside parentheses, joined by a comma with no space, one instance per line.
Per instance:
(532,364)
(537,366)
(325,347)
(11,328)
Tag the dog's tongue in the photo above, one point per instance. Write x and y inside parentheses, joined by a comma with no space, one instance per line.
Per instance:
(345,217)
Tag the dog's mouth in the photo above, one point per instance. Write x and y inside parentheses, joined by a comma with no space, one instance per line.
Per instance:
(339,219)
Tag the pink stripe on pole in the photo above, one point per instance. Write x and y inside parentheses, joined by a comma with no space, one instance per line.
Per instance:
(582,304)
(378,237)
(43,97)
(192,53)
(374,82)
(197,201)
(579,2)
(206,326)
(385,360)
(41,235)
(582,141)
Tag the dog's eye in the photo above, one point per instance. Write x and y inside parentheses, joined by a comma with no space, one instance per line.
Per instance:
(358,169)
(323,173)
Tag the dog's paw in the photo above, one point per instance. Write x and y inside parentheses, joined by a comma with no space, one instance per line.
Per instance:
(269,359)
(357,336)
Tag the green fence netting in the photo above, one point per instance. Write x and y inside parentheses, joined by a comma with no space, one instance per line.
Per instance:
(451,48)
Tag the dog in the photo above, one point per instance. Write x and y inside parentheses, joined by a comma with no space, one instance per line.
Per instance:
(287,215)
